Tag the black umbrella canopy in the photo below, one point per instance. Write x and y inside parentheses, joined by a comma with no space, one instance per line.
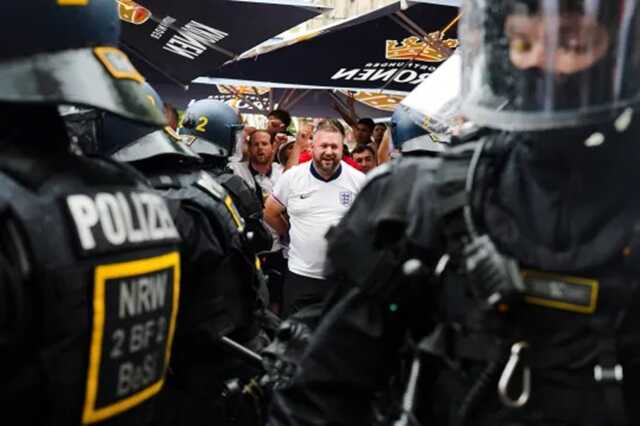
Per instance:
(300,102)
(391,48)
(179,40)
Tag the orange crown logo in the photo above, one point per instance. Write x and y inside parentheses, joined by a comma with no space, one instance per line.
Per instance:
(131,12)
(433,48)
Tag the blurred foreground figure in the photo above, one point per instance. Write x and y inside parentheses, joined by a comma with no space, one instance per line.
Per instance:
(89,267)
(220,282)
(498,283)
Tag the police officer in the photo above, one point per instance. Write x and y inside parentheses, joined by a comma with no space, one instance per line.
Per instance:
(219,279)
(509,267)
(90,269)
(213,129)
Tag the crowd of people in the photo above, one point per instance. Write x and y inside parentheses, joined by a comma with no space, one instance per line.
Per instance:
(159,268)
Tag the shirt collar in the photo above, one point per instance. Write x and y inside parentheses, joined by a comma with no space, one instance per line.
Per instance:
(317,175)
(255,172)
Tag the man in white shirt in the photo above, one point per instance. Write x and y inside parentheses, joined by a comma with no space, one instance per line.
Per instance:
(259,172)
(315,195)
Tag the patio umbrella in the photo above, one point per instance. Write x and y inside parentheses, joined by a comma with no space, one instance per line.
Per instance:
(179,40)
(391,49)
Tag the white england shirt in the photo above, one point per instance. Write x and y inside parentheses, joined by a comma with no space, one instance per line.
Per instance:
(314,205)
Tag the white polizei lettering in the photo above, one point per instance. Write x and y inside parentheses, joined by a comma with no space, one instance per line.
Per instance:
(204,34)
(141,215)
(85,216)
(166,221)
(382,74)
(405,76)
(364,75)
(111,219)
(345,73)
(161,225)
(134,235)
(149,200)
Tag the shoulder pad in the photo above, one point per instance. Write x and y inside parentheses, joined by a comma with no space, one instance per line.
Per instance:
(210,186)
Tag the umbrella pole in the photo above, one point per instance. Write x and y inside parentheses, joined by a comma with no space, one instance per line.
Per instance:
(271,98)
(155,67)
(284,101)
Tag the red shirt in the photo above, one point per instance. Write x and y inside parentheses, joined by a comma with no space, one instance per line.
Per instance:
(306,156)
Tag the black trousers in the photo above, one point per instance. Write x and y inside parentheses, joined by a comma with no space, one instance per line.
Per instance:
(300,291)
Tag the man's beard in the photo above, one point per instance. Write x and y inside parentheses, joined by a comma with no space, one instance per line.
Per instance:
(327,165)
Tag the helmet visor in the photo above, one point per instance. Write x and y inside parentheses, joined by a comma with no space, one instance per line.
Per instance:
(160,143)
(541,64)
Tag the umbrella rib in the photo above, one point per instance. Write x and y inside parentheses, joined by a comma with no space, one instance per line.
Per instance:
(154,66)
(297,98)
(339,100)
(286,99)
(280,98)
(414,28)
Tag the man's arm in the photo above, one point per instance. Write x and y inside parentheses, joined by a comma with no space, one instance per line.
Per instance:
(384,149)
(299,146)
(274,216)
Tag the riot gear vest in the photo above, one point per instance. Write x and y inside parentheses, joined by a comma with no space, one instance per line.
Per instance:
(236,274)
(98,270)
(575,324)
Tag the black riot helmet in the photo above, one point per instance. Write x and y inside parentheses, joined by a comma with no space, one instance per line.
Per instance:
(62,52)
(211,128)
(548,64)
(98,132)
(132,142)
(409,137)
